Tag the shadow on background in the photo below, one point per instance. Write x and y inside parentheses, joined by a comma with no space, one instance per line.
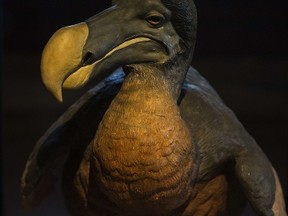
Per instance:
(241,49)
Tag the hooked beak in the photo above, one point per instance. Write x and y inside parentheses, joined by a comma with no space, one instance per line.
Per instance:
(62,57)
(63,64)
(97,47)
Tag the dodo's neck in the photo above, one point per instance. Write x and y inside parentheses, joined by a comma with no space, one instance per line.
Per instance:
(166,80)
(150,82)
(143,146)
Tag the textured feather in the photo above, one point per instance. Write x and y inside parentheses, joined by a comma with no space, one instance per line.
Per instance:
(52,149)
(71,132)
(222,142)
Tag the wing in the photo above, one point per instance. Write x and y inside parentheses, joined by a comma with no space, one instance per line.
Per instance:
(223,141)
(210,122)
(70,134)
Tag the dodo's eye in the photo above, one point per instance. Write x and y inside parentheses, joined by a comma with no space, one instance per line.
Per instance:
(155,20)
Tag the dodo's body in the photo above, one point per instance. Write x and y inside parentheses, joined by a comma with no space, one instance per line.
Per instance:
(153,139)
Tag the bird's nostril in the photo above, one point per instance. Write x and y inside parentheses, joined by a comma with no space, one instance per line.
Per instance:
(87,58)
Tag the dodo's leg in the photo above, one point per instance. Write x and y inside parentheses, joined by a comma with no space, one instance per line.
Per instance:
(260,183)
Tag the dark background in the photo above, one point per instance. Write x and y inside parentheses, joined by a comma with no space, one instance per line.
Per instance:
(242,49)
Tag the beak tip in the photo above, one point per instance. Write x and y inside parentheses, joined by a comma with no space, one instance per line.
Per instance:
(59,99)
(57,94)
(61,55)
(54,87)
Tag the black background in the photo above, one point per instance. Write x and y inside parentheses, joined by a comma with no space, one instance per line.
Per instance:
(242,50)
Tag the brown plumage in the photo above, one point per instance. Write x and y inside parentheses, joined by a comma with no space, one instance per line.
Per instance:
(142,149)
(154,140)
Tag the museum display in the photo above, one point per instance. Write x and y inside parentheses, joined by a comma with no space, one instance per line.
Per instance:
(152,137)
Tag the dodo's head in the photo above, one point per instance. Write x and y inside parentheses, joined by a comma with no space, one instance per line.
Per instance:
(131,32)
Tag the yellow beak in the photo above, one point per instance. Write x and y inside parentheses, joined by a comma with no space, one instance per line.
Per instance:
(61,60)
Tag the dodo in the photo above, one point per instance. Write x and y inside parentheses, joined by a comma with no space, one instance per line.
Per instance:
(152,137)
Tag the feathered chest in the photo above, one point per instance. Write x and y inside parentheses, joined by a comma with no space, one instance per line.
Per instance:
(143,148)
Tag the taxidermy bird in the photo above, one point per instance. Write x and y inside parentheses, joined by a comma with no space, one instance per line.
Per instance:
(151,138)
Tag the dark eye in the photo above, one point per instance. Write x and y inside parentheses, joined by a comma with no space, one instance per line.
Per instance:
(155,20)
